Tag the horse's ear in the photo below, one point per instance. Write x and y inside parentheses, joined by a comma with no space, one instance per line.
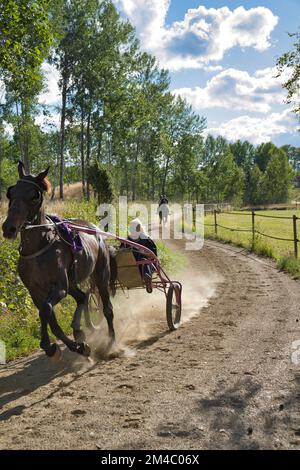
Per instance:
(21,169)
(42,175)
(8,192)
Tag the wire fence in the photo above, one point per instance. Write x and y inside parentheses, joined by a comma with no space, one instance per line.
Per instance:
(254,229)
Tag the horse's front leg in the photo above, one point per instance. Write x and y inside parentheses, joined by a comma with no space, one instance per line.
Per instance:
(44,314)
(45,344)
(56,294)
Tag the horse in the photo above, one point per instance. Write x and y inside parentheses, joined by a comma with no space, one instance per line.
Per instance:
(163,212)
(48,267)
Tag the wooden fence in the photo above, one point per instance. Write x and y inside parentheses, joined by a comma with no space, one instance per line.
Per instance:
(254,230)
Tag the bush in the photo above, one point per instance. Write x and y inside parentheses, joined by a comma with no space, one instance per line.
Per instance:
(101,182)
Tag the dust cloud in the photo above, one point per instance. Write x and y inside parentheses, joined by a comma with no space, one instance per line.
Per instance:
(140,317)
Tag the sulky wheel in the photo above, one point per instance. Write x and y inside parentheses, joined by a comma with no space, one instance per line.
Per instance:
(93,313)
(174,306)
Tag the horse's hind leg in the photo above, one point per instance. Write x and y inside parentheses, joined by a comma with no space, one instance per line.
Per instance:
(81,299)
(101,277)
(108,311)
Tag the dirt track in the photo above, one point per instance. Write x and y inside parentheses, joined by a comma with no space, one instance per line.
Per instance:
(224,380)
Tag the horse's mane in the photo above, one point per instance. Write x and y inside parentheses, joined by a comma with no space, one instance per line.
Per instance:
(46,185)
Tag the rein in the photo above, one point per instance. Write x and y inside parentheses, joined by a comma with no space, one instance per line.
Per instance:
(94,231)
(48,246)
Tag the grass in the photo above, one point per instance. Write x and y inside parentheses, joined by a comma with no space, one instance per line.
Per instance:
(19,321)
(280,250)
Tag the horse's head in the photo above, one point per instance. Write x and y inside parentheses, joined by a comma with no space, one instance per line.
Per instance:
(25,200)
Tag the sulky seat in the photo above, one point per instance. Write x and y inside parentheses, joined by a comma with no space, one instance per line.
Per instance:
(129,275)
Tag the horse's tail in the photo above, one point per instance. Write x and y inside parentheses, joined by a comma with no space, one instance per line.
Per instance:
(113,270)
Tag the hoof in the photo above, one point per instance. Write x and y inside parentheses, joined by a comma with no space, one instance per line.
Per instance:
(79,336)
(111,343)
(87,350)
(84,349)
(56,355)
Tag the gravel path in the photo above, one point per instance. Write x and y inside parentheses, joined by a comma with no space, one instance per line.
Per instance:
(223,380)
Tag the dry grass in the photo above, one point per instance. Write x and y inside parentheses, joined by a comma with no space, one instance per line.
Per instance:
(71,191)
(3,212)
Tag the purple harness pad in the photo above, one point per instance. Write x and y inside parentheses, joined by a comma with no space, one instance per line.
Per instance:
(72,237)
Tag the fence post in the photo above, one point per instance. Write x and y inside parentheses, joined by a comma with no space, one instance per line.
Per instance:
(295,218)
(253,226)
(216,224)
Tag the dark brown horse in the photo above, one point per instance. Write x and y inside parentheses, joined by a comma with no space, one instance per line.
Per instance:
(46,264)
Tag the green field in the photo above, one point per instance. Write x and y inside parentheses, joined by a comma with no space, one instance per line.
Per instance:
(280,250)
(277,227)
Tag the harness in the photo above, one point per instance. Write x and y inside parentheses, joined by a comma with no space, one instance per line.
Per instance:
(54,222)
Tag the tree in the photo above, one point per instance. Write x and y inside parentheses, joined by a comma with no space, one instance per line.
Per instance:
(243,154)
(4,147)
(25,38)
(253,193)
(277,178)
(293,154)
(263,154)
(227,180)
(94,56)
(101,182)
(180,137)
(290,62)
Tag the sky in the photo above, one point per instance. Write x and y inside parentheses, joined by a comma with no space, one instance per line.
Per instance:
(221,56)
(222,59)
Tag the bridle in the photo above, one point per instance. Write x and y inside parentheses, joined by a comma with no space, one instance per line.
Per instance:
(28,222)
(22,180)
(31,182)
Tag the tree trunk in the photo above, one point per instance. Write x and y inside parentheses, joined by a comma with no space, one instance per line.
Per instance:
(134,171)
(27,138)
(88,153)
(82,152)
(165,175)
(99,145)
(1,159)
(24,139)
(20,132)
(126,175)
(62,136)
(55,177)
(153,181)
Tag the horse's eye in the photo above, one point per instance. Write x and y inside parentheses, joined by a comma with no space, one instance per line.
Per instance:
(35,197)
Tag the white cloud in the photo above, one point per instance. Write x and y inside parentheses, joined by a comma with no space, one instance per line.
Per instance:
(147,16)
(51,95)
(204,35)
(237,89)
(255,129)
(213,68)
